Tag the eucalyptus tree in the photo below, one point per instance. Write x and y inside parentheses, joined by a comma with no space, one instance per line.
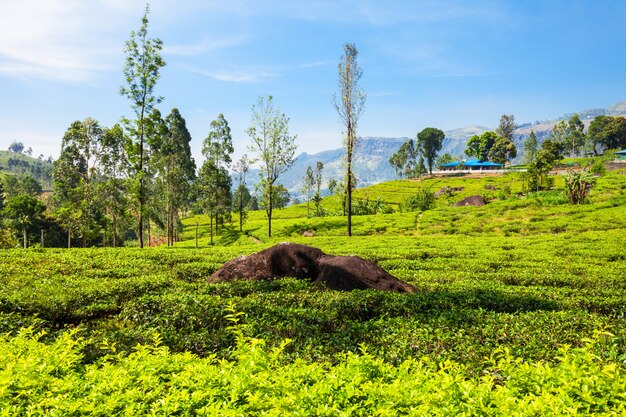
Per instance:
(319,167)
(274,147)
(113,189)
(242,194)
(215,182)
(502,150)
(403,160)
(24,214)
(479,146)
(429,142)
(176,168)
(506,126)
(142,71)
(607,132)
(308,182)
(349,106)
(530,148)
(76,173)
(575,134)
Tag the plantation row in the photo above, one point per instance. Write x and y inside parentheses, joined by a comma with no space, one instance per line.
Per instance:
(530,295)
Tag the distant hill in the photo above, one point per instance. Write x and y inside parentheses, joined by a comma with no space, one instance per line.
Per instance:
(372,156)
(12,163)
(371,165)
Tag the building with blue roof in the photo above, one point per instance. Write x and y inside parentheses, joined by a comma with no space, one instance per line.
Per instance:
(471,165)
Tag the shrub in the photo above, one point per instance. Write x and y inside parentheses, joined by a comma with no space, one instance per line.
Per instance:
(578,185)
(422,201)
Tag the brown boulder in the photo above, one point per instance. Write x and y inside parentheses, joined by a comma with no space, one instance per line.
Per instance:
(305,262)
(282,260)
(353,272)
(473,200)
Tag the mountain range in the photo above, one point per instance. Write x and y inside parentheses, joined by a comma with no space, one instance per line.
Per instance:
(371,160)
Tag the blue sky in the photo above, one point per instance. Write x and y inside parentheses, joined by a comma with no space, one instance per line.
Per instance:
(444,64)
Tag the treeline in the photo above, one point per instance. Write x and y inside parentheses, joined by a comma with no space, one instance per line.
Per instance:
(98,183)
(415,158)
(568,138)
(116,184)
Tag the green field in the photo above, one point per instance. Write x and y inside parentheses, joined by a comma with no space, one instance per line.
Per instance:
(520,311)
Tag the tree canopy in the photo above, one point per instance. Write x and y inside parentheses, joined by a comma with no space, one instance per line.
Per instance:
(429,142)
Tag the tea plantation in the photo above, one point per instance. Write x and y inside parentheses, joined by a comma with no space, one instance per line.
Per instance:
(520,311)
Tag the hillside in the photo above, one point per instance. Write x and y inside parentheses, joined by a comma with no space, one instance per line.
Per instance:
(509,212)
(525,288)
(372,156)
(12,163)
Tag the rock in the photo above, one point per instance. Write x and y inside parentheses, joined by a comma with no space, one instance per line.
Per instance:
(353,272)
(306,262)
(490,187)
(473,200)
(282,260)
(447,190)
(308,233)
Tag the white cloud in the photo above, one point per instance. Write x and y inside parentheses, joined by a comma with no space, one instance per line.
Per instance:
(66,40)
(203,46)
(237,75)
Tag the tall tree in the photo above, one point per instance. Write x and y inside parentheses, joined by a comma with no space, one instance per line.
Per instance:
(16,147)
(429,142)
(214,185)
(114,187)
(530,148)
(607,132)
(479,146)
(547,156)
(76,174)
(308,182)
(143,63)
(446,158)
(319,167)
(575,134)
(24,214)
(502,150)
(506,126)
(274,148)
(560,132)
(215,181)
(404,159)
(349,106)
(242,194)
(176,167)
(596,132)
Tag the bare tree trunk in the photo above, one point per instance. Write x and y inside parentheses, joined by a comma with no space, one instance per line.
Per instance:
(211,225)
(25,239)
(269,211)
(114,231)
(240,211)
(141,179)
(349,185)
